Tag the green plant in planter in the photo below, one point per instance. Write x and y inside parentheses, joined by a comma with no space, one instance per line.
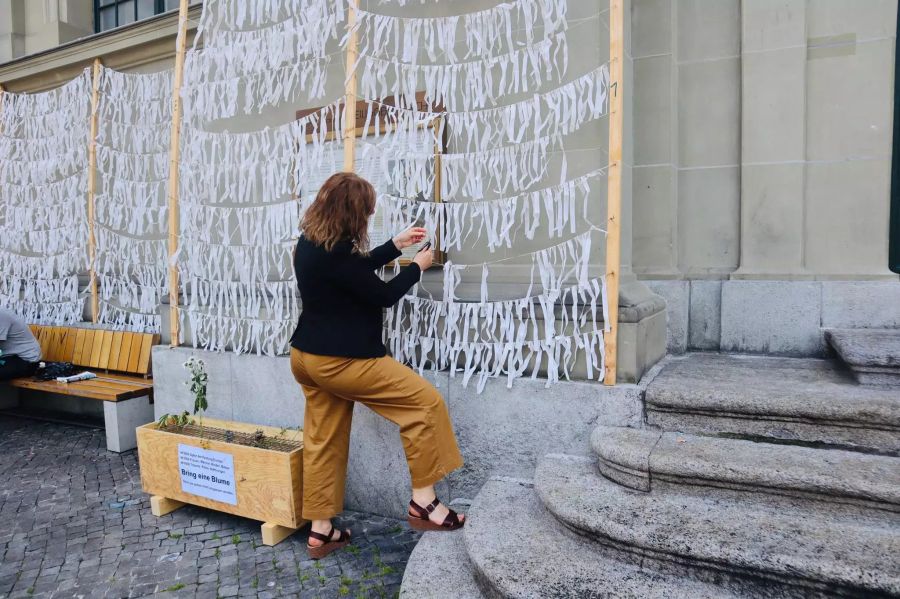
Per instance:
(198,381)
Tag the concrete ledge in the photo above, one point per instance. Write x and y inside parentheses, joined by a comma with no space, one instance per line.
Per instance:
(501,430)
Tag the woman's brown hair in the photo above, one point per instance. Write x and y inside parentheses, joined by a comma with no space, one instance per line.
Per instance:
(341,211)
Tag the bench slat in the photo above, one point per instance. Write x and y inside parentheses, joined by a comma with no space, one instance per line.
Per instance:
(69,350)
(143,366)
(79,345)
(104,348)
(115,349)
(84,389)
(94,361)
(88,347)
(134,356)
(49,346)
(124,353)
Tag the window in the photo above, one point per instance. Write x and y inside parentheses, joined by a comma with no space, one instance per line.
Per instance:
(109,14)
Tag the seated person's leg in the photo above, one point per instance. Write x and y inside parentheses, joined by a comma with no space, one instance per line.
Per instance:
(12,367)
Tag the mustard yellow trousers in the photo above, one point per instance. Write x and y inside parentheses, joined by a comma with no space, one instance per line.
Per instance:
(331,386)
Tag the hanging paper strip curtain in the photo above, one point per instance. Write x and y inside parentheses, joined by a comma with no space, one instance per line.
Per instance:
(467,85)
(134,128)
(555,357)
(43,202)
(562,110)
(260,54)
(239,215)
(482,34)
(223,17)
(543,334)
(475,175)
(556,211)
(242,194)
(551,268)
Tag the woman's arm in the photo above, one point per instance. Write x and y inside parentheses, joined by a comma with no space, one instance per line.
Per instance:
(391,250)
(356,278)
(382,255)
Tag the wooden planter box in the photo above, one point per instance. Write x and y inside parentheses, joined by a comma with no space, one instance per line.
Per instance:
(266,484)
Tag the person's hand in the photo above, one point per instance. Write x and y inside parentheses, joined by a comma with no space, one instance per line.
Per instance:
(424,259)
(410,237)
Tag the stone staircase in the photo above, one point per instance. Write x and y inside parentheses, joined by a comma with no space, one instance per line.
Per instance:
(872,354)
(755,477)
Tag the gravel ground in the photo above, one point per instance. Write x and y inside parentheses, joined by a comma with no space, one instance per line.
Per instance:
(74,522)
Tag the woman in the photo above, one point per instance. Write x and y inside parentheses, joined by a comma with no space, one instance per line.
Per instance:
(338,358)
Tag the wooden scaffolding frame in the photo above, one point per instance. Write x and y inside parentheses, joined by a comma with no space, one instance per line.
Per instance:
(174,149)
(614,183)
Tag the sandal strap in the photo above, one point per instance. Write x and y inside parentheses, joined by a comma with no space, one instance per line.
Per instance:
(451,520)
(423,512)
(325,538)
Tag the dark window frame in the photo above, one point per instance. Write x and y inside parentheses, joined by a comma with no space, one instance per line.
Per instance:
(159,7)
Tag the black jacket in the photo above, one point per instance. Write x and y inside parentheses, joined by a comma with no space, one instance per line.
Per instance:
(343,298)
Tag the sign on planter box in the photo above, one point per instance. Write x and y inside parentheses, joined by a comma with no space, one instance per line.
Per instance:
(207,473)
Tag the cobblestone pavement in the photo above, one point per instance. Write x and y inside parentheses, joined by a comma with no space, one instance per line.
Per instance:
(74,522)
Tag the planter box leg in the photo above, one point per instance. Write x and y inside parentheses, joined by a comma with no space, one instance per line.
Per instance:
(122,418)
(272,534)
(160,506)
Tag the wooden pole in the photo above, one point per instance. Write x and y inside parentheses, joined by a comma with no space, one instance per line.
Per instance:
(2,98)
(92,192)
(614,183)
(350,91)
(180,45)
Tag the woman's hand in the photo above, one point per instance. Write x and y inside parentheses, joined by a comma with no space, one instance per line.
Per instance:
(409,237)
(424,259)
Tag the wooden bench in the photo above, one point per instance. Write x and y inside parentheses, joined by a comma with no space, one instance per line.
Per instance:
(121,361)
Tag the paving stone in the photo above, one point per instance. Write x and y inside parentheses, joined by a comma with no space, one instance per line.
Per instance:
(74,522)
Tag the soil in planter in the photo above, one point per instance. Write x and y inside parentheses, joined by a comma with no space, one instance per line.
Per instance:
(257,439)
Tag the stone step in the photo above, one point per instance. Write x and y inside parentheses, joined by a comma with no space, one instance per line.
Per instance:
(756,537)
(439,568)
(647,459)
(798,400)
(872,354)
(518,550)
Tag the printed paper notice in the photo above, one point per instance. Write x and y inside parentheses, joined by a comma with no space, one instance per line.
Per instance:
(206,473)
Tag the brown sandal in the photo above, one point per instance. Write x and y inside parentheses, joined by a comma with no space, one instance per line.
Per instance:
(420,521)
(329,545)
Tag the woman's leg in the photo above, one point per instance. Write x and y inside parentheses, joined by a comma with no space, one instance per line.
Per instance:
(397,393)
(326,443)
